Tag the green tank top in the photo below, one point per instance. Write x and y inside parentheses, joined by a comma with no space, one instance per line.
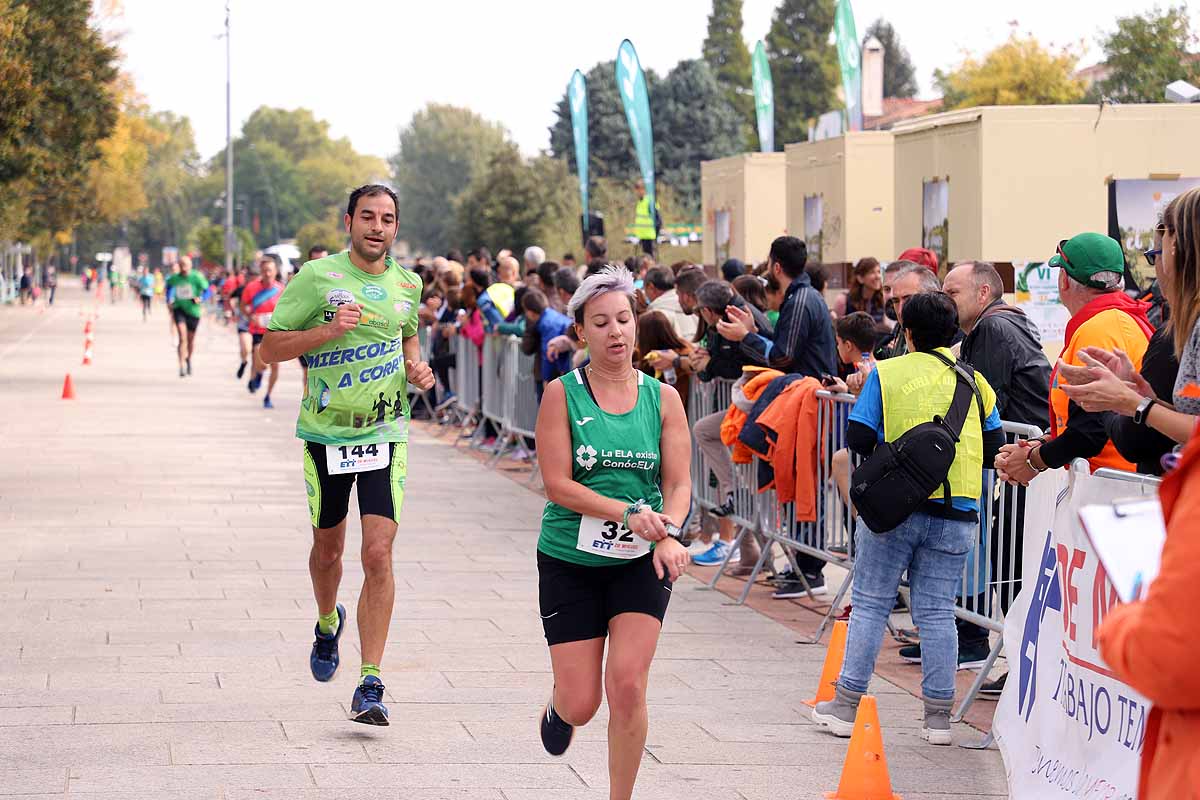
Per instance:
(615,455)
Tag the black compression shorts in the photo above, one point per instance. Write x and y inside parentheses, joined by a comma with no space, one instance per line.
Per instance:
(187,319)
(577,602)
(380,491)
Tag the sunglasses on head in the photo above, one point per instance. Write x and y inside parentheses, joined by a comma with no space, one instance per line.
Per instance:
(1063,255)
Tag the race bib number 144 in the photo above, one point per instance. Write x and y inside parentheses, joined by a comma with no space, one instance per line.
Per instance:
(341,459)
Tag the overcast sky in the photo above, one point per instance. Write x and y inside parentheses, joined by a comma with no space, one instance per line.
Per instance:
(367,66)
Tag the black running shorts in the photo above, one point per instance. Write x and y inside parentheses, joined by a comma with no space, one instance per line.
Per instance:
(577,602)
(380,491)
(187,319)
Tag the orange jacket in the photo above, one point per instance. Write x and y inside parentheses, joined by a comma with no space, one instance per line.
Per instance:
(793,418)
(1151,645)
(735,418)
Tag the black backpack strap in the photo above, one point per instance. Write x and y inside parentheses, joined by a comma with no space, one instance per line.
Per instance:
(960,406)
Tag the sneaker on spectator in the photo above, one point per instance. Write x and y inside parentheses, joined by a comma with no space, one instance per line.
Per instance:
(699,546)
(784,577)
(715,555)
(971,655)
(992,689)
(792,589)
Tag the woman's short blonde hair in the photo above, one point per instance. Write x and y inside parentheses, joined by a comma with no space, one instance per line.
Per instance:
(613,278)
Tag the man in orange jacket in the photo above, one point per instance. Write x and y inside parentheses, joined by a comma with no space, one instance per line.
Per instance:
(1091,268)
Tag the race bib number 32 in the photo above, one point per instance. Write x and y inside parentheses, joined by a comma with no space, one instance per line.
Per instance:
(341,459)
(603,537)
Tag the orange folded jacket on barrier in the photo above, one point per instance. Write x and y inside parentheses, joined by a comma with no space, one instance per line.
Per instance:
(735,418)
(792,417)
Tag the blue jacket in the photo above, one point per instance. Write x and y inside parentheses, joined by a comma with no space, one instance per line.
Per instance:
(549,325)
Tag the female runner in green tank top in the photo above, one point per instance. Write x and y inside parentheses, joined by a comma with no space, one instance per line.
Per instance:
(615,453)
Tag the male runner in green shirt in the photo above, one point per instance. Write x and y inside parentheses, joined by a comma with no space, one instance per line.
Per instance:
(187,306)
(353,316)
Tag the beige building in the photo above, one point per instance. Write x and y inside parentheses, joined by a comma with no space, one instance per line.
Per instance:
(840,198)
(744,202)
(1012,181)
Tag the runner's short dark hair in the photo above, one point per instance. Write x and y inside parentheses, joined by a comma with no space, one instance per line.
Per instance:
(791,255)
(316,248)
(660,278)
(371,190)
(858,329)
(932,319)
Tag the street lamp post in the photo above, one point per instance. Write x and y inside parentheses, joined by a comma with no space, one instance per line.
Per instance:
(228,149)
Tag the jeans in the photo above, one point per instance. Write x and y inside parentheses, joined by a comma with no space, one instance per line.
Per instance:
(717,455)
(933,550)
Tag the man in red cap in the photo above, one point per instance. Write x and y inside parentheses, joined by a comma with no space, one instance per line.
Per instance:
(919,255)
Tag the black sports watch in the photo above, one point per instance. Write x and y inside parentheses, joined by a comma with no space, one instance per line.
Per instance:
(676,533)
(1143,411)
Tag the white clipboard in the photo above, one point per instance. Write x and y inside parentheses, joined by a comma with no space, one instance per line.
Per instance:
(1128,537)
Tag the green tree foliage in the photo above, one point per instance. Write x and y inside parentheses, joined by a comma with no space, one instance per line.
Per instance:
(509,203)
(1145,53)
(1019,72)
(804,65)
(692,119)
(287,172)
(726,52)
(693,122)
(209,239)
(329,232)
(899,75)
(56,105)
(441,150)
(610,147)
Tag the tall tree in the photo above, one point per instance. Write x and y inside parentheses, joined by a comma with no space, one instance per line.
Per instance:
(804,65)
(726,53)
(59,107)
(610,147)
(693,122)
(1019,72)
(899,75)
(510,201)
(441,150)
(1145,53)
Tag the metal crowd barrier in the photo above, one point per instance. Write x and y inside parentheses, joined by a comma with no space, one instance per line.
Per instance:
(466,380)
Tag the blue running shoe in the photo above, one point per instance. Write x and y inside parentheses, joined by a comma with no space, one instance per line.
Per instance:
(368,707)
(324,659)
(267,402)
(715,554)
(254,382)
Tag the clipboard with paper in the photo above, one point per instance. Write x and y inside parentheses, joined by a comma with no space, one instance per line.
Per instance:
(1127,536)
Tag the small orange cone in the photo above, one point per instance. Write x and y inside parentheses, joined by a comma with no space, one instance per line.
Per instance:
(865,773)
(68,388)
(87,354)
(87,328)
(833,664)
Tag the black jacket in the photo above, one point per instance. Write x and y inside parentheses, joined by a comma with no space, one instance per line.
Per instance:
(1140,444)
(803,342)
(726,358)
(1005,347)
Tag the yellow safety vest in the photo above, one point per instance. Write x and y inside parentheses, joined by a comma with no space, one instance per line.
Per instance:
(915,388)
(643,220)
(502,296)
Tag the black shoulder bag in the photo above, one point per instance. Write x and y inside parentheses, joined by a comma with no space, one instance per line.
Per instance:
(897,479)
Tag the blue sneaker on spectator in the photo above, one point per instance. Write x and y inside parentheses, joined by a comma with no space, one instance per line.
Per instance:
(715,554)
(368,707)
(324,659)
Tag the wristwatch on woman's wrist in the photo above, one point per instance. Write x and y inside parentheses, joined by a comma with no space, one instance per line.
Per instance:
(675,533)
(1143,411)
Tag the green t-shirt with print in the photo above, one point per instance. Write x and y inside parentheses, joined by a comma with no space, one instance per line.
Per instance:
(188,289)
(357,390)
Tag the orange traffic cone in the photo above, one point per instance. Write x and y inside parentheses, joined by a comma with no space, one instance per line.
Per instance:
(87,328)
(833,664)
(865,773)
(87,353)
(68,388)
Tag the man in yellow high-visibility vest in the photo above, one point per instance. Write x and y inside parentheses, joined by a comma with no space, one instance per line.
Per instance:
(645,221)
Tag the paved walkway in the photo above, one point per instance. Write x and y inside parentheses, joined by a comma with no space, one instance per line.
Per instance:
(156,615)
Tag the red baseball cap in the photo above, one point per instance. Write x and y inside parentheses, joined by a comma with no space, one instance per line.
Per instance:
(919,255)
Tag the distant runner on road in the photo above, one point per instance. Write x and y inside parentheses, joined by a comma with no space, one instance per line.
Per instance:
(354,317)
(258,300)
(186,288)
